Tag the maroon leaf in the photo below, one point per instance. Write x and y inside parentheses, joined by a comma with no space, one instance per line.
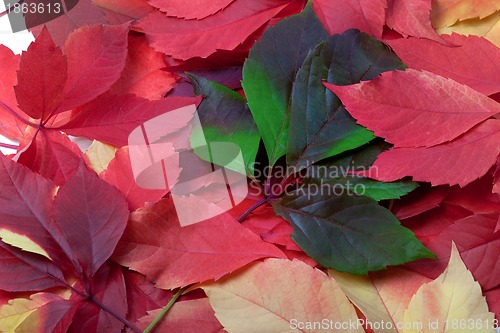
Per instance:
(92,215)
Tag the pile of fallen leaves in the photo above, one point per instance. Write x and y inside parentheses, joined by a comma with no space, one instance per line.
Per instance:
(390,104)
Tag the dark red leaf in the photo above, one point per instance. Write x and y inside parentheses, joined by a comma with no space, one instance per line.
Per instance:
(109,292)
(83,14)
(92,216)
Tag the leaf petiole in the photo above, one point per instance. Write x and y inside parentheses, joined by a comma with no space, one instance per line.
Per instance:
(163,312)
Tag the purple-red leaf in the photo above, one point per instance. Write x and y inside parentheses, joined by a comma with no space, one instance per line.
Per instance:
(92,215)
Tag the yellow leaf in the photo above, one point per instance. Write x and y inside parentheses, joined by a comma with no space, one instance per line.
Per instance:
(382,296)
(99,155)
(448,12)
(13,314)
(22,242)
(281,296)
(453,303)
(488,27)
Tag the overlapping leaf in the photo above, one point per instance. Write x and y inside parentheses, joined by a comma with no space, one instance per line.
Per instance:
(338,16)
(319,125)
(153,240)
(270,296)
(269,73)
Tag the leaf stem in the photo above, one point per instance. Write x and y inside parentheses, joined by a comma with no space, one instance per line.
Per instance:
(163,312)
(17,115)
(116,315)
(253,207)
(6,145)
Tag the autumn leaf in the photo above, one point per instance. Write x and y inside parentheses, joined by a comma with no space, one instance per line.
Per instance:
(197,9)
(191,316)
(45,61)
(12,125)
(460,161)
(143,74)
(412,113)
(210,249)
(226,29)
(488,27)
(453,301)
(411,18)
(473,61)
(447,12)
(270,296)
(42,312)
(381,296)
(339,16)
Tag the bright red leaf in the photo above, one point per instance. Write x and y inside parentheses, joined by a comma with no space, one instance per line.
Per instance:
(415,108)
(111,118)
(45,61)
(338,15)
(11,125)
(119,174)
(195,9)
(143,74)
(51,154)
(83,14)
(472,60)
(411,18)
(154,240)
(96,56)
(460,161)
(184,39)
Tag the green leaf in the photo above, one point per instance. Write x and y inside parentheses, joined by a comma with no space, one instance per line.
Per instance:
(320,127)
(269,73)
(225,117)
(348,233)
(372,188)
